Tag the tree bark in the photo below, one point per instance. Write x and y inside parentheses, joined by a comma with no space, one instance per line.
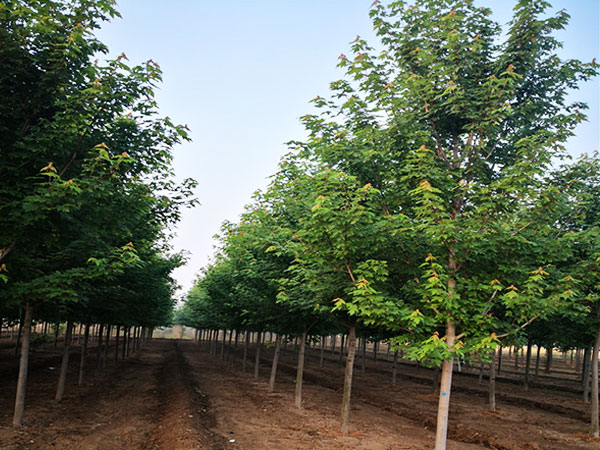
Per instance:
(128,349)
(124,350)
(375,350)
(492,383)
(117,344)
(363,357)
(223,345)
(395,367)
(500,359)
(595,427)
(105,353)
(245,357)
(300,371)
(86,338)
(137,336)
(537,361)
(23,366)
(99,348)
(20,334)
(64,367)
(322,356)
(527,364)
(60,390)
(586,375)
(480,378)
(229,345)
(348,378)
(445,387)
(341,357)
(257,355)
(56,328)
(548,359)
(275,361)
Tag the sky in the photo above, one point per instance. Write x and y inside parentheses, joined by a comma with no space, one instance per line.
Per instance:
(240,73)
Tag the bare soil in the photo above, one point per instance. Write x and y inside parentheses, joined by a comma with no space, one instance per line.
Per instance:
(174,395)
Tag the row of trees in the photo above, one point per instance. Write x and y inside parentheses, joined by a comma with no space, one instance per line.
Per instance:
(87,195)
(433,203)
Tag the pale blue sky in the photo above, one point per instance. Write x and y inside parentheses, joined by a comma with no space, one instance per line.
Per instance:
(240,74)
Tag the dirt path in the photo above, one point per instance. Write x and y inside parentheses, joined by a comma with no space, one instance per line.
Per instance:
(255,419)
(143,403)
(174,396)
(526,421)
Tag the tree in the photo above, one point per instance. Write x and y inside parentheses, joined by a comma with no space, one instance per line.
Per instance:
(337,233)
(456,130)
(77,135)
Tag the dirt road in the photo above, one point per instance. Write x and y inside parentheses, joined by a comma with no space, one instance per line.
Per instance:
(173,395)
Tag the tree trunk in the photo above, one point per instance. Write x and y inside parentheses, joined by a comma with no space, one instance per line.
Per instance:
(126,342)
(117,344)
(56,328)
(333,339)
(500,359)
(480,378)
(375,350)
(348,378)
(527,364)
(595,427)
(586,375)
(99,348)
(229,345)
(223,344)
(215,341)
(275,361)
(245,357)
(537,361)
(395,367)
(124,350)
(20,334)
(364,357)
(516,353)
(23,365)
(492,383)
(322,356)
(548,359)
(104,355)
(445,387)
(86,338)
(342,349)
(300,371)
(257,354)
(60,390)
(136,337)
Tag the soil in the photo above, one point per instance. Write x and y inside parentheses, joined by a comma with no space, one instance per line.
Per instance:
(174,395)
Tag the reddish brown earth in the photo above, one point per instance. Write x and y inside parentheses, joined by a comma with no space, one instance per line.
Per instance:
(173,395)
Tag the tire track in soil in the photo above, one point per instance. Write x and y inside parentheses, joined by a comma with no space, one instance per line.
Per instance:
(459,385)
(185,420)
(456,431)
